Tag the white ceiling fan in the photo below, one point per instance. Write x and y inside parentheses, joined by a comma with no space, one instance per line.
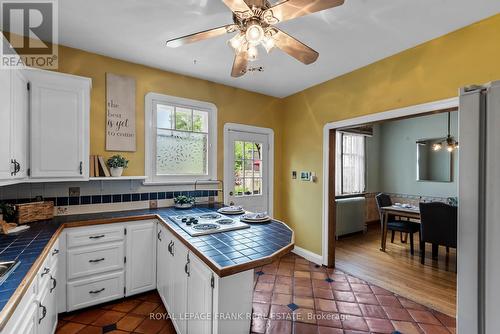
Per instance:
(254,22)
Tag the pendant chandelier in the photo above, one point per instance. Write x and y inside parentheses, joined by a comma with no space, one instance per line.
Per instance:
(449,143)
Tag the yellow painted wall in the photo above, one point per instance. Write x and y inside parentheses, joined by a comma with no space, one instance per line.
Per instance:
(234,105)
(432,71)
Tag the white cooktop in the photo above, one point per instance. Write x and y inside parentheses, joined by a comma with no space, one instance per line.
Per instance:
(207,223)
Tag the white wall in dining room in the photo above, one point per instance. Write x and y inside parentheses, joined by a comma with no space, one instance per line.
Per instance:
(392,156)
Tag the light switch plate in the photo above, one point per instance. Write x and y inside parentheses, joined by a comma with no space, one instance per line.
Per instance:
(74,192)
(153,204)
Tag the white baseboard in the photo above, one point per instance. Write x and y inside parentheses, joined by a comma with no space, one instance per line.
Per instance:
(308,255)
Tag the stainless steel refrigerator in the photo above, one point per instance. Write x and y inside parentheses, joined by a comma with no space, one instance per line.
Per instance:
(478,308)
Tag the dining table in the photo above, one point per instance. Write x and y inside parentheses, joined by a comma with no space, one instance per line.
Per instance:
(406,211)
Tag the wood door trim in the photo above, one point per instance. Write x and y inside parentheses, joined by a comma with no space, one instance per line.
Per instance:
(331,199)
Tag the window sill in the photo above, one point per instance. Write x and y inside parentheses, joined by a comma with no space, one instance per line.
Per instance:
(350,196)
(180,182)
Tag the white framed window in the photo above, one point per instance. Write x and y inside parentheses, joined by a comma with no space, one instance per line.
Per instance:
(180,139)
(350,161)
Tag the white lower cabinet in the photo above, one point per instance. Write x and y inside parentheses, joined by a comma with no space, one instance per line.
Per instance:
(141,257)
(192,292)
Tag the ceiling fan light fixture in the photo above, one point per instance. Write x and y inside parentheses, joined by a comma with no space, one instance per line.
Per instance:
(254,33)
(252,53)
(237,42)
(268,43)
(436,146)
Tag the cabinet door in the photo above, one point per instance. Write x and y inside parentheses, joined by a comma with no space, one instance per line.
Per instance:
(169,262)
(47,311)
(199,296)
(162,256)
(5,124)
(59,126)
(20,99)
(179,286)
(141,257)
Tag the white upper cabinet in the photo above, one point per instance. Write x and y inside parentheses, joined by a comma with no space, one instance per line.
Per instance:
(6,167)
(59,126)
(20,107)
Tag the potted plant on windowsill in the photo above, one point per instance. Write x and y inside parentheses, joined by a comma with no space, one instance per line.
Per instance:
(116,165)
(184,202)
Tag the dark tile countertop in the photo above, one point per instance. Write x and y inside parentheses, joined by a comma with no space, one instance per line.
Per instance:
(226,249)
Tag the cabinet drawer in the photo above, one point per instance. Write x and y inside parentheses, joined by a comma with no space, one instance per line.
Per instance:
(94,235)
(97,259)
(95,290)
(46,272)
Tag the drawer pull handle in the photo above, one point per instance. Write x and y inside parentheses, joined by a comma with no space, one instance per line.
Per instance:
(159,235)
(55,252)
(44,313)
(45,271)
(96,260)
(55,284)
(97,236)
(96,291)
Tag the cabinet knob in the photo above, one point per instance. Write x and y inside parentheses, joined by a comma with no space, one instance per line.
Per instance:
(45,271)
(54,285)
(159,235)
(55,252)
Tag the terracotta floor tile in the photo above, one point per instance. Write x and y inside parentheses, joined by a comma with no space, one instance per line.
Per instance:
(151,296)
(88,316)
(283,280)
(379,291)
(129,322)
(281,299)
(302,267)
(318,268)
(305,315)
(329,330)
(270,269)
(354,323)
(303,291)
(338,277)
(301,281)
(300,260)
(262,297)
(323,293)
(388,301)
(305,302)
(424,317)
(348,308)
(303,328)
(434,329)
(344,296)
(302,274)
(406,327)
(322,284)
(126,305)
(266,287)
(452,330)
(261,310)
(149,326)
(372,311)
(145,308)
(91,330)
(325,305)
(366,298)
(285,271)
(445,319)
(280,312)
(408,304)
(355,332)
(279,327)
(328,319)
(109,317)
(355,280)
(259,325)
(341,286)
(397,313)
(361,288)
(168,328)
(266,278)
(283,288)
(379,325)
(70,328)
(320,275)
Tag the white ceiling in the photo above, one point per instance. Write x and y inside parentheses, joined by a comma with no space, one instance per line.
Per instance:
(347,37)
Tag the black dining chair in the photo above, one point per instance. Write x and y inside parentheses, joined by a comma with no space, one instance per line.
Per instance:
(396,225)
(439,223)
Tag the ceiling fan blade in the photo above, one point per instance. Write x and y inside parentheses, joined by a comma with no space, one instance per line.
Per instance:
(199,36)
(240,64)
(239,8)
(294,47)
(290,9)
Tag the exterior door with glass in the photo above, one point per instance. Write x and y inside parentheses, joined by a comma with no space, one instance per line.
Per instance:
(248,161)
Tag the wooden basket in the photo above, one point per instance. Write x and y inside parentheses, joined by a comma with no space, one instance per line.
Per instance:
(32,212)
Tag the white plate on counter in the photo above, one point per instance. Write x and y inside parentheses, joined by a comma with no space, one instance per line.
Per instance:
(231,212)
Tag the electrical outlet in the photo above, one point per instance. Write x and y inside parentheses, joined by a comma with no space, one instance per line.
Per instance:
(153,204)
(74,191)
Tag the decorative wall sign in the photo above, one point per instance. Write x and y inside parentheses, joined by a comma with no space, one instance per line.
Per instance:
(120,113)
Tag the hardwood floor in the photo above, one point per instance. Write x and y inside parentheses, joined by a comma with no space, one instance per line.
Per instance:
(432,284)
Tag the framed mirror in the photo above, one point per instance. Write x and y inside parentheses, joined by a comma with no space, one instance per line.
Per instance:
(433,165)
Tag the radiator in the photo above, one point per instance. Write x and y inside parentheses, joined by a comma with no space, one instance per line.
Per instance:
(350,215)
